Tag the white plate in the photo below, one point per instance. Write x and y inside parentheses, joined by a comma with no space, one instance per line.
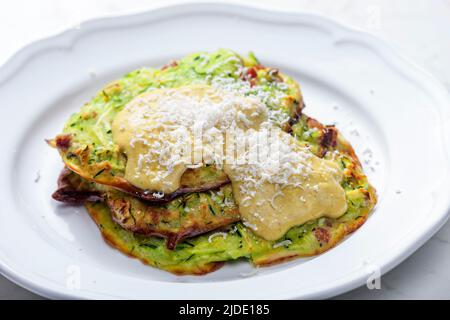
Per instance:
(381,102)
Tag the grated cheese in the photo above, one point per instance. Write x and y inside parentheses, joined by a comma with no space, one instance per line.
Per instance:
(282,244)
(166,131)
(217,234)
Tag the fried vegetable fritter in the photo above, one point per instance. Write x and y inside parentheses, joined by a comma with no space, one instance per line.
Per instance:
(184,217)
(207,252)
(86,143)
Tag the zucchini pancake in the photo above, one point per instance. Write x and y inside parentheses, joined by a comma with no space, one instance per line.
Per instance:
(211,159)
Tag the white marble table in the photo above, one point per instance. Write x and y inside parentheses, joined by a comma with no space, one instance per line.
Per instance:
(418,28)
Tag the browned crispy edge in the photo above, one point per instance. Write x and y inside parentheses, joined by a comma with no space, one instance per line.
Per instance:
(110,239)
(124,186)
(67,192)
(331,139)
(173,238)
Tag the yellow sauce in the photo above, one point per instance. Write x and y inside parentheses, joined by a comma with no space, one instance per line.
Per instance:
(152,128)
(134,138)
(270,200)
(275,208)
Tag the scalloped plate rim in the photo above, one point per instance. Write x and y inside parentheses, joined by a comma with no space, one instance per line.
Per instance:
(69,36)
